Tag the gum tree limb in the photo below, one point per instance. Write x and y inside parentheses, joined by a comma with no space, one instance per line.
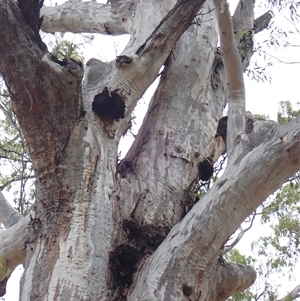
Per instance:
(88,17)
(8,215)
(234,76)
(294,294)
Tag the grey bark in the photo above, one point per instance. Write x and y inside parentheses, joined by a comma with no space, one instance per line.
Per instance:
(8,215)
(131,231)
(294,294)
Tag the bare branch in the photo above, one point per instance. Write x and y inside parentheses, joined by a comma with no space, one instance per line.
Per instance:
(89,17)
(186,245)
(278,59)
(228,248)
(181,16)
(13,246)
(8,116)
(234,243)
(232,278)
(294,294)
(161,124)
(262,22)
(234,76)
(243,18)
(141,60)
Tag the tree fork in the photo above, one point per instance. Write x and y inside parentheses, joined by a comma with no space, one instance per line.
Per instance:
(96,216)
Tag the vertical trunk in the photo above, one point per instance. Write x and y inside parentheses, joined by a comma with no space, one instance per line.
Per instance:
(72,252)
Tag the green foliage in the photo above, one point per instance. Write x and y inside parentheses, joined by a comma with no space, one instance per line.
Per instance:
(235,256)
(261,116)
(286,112)
(243,296)
(64,48)
(283,215)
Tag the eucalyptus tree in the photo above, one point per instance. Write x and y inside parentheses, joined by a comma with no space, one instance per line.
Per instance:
(131,230)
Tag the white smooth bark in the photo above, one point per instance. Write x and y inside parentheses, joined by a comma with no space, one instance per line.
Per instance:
(13,239)
(234,196)
(171,167)
(234,76)
(8,215)
(13,251)
(87,17)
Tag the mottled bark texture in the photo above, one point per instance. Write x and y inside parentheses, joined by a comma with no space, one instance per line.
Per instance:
(104,230)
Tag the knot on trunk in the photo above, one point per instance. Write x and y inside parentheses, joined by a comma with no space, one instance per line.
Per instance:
(123,60)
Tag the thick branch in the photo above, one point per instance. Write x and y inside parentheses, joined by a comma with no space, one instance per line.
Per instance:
(180,17)
(38,88)
(171,154)
(139,64)
(262,22)
(8,215)
(294,294)
(243,28)
(89,17)
(183,257)
(234,74)
(13,248)
(244,16)
(226,279)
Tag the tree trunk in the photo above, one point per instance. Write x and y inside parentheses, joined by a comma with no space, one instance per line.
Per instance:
(131,231)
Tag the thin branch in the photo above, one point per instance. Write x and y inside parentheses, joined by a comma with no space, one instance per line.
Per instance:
(279,60)
(4,95)
(238,238)
(261,294)
(234,243)
(7,115)
(297,30)
(20,178)
(251,223)
(14,159)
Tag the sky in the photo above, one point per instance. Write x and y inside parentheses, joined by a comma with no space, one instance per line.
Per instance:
(261,98)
